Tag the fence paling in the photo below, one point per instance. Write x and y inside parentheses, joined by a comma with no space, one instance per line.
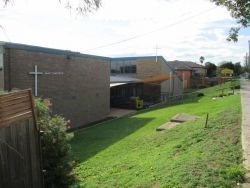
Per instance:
(20,164)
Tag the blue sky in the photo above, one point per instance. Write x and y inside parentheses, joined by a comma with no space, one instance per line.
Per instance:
(182,30)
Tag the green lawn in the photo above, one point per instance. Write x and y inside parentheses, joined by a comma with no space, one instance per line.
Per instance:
(128,152)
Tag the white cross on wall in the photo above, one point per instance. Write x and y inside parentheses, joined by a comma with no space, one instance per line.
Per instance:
(36,73)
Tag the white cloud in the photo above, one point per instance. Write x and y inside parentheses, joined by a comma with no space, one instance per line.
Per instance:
(185,29)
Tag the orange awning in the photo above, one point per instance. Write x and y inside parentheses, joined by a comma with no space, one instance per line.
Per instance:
(157,79)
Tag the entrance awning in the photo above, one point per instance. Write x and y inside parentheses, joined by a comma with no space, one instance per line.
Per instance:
(116,84)
(157,79)
(120,80)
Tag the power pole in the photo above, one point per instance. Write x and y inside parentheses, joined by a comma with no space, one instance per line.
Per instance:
(249,57)
(156,52)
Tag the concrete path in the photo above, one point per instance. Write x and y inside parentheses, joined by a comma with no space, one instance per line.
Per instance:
(118,112)
(245,102)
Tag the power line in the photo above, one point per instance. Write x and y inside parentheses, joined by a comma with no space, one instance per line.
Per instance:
(5,33)
(153,31)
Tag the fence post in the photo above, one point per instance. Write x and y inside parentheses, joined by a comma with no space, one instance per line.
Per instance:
(206,124)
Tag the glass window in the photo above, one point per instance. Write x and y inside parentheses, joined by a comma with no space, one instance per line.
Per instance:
(123,67)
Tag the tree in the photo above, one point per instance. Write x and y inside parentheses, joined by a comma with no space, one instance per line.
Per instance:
(238,68)
(227,64)
(81,7)
(202,59)
(211,69)
(239,10)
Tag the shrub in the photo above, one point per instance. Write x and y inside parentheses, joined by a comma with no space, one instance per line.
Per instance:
(55,148)
(202,87)
(237,87)
(200,94)
(211,84)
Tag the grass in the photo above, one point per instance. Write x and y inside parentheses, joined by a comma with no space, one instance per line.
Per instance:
(128,152)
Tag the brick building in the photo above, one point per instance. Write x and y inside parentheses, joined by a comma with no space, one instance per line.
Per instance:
(184,71)
(192,73)
(154,73)
(77,84)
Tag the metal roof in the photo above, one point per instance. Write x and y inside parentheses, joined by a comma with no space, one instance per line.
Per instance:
(117,84)
(123,79)
(49,50)
(135,58)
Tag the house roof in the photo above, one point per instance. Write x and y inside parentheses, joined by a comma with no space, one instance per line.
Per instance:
(136,58)
(178,65)
(193,65)
(140,58)
(48,50)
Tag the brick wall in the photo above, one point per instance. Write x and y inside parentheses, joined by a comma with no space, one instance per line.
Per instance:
(81,93)
(148,67)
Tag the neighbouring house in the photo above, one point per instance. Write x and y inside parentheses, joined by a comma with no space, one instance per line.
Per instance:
(198,70)
(183,71)
(226,72)
(149,77)
(77,84)
(193,74)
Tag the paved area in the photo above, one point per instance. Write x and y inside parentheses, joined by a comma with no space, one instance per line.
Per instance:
(184,117)
(177,119)
(245,102)
(166,126)
(118,112)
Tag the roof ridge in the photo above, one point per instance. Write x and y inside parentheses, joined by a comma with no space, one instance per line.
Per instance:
(48,50)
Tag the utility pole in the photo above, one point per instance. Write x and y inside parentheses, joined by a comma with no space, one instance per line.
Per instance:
(156,53)
(249,57)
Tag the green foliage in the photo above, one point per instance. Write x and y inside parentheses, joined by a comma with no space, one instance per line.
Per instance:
(233,34)
(55,148)
(82,7)
(236,67)
(202,59)
(128,152)
(236,173)
(41,109)
(211,69)
(239,10)
(228,65)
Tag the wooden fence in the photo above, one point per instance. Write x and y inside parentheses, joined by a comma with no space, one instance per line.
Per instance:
(20,159)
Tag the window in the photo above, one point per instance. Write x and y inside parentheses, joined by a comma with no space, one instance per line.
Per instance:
(123,67)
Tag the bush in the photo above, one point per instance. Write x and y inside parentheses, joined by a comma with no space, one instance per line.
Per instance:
(200,94)
(55,148)
(202,87)
(237,87)
(211,84)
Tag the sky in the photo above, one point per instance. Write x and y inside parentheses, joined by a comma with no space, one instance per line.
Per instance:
(178,29)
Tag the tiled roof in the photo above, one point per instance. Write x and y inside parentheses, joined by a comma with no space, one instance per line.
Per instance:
(178,65)
(193,65)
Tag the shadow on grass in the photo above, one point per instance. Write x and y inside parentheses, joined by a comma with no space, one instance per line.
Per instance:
(87,143)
